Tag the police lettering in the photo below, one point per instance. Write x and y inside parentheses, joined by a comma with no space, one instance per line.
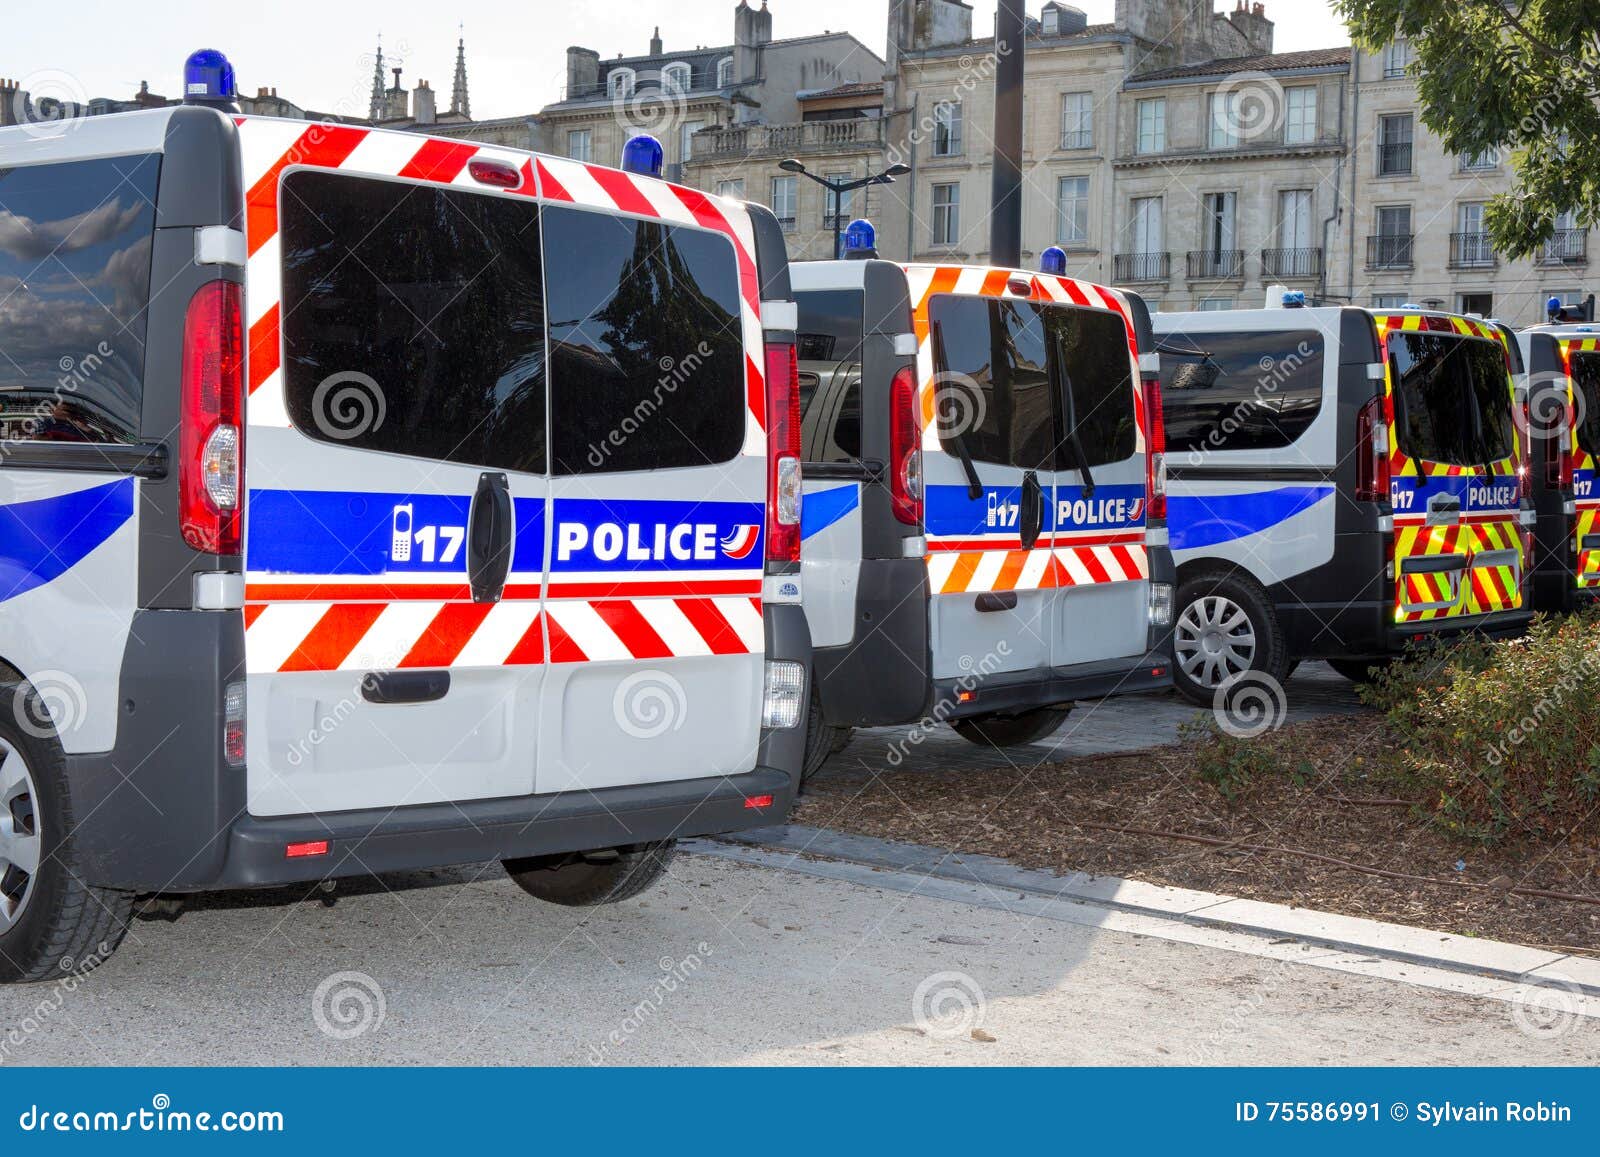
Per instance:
(636,542)
(1093,512)
(1494,496)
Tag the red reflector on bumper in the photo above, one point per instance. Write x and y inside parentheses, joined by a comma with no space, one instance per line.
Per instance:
(1158,671)
(758,801)
(309,848)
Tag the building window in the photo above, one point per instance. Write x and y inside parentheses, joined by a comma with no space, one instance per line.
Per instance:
(844,202)
(686,134)
(947,130)
(1469,247)
(946,214)
(676,77)
(1295,255)
(1224,120)
(1397,58)
(785,199)
(1568,245)
(1072,210)
(1481,304)
(1299,115)
(1214,304)
(1390,247)
(580,145)
(1394,144)
(725,72)
(732,189)
(1077,120)
(620,83)
(1483,162)
(1152,116)
(1391,300)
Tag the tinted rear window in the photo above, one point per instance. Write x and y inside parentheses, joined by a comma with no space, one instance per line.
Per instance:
(74,293)
(830,338)
(1452,398)
(1586,385)
(647,346)
(1240,391)
(413,321)
(996,359)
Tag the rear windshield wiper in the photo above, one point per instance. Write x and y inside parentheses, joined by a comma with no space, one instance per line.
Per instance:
(974,486)
(1061,382)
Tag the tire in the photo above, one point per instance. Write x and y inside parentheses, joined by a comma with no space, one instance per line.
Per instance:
(590,878)
(51,922)
(1359,670)
(1224,628)
(1011,730)
(820,739)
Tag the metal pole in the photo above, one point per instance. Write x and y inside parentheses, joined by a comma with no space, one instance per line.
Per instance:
(1005,217)
(835,189)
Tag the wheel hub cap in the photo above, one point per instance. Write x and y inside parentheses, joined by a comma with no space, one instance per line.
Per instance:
(1214,641)
(20,836)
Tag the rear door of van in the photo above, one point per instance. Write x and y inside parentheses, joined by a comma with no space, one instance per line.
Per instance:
(396,463)
(1454,459)
(658,482)
(1581,359)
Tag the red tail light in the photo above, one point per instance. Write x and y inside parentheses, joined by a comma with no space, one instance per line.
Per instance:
(905,449)
(1372,453)
(783,454)
(1155,470)
(496,173)
(210,423)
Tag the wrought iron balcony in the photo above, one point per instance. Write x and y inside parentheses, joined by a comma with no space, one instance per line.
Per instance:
(1389,250)
(1472,251)
(1220,265)
(1131,268)
(1291,263)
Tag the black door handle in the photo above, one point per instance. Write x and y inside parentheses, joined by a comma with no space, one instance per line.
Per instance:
(489,534)
(1031,518)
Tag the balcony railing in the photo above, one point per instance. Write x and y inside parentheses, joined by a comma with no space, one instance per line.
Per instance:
(1389,250)
(787,140)
(1566,247)
(1471,251)
(1291,263)
(1221,265)
(1394,159)
(1129,268)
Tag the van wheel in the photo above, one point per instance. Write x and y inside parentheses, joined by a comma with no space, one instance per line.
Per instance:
(51,922)
(821,740)
(1011,730)
(1359,670)
(1224,628)
(590,878)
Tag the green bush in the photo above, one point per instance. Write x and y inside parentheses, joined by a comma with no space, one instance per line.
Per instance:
(1504,737)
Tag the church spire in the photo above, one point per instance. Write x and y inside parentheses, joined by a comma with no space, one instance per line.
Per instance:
(459,102)
(377,108)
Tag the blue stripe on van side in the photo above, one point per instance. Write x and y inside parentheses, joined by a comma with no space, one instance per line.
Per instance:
(1199,520)
(820,509)
(41,540)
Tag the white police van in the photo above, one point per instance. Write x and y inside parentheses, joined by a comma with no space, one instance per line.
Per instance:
(1345,483)
(984,534)
(373,501)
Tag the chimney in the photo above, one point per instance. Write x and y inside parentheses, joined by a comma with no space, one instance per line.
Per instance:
(939,23)
(423,107)
(655,42)
(583,72)
(752,31)
(1252,23)
(398,104)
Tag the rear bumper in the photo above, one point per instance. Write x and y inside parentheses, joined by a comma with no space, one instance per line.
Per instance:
(1023,691)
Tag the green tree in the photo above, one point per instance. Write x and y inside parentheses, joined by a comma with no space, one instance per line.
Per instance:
(1521,76)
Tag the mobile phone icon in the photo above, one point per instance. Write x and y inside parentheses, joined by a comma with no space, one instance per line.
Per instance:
(400,542)
(995,517)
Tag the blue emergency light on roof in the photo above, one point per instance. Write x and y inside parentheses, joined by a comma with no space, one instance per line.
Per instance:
(642,155)
(208,79)
(860,240)
(1294,299)
(1053,261)
(1553,305)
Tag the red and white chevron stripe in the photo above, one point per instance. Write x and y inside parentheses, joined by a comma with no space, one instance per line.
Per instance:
(273,147)
(385,632)
(954,572)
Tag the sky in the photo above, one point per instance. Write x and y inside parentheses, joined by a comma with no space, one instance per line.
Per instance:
(319,55)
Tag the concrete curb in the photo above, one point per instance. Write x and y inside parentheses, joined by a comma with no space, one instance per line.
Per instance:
(1513,963)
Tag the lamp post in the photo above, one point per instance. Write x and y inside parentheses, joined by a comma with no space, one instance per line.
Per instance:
(837,188)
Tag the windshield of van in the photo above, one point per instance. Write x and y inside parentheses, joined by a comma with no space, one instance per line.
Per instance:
(829,340)
(1586,391)
(1452,398)
(996,367)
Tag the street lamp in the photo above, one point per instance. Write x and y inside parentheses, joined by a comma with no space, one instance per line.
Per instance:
(839,187)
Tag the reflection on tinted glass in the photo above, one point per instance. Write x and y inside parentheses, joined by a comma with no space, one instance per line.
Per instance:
(74,293)
(998,357)
(1452,397)
(1586,384)
(412,320)
(830,339)
(1240,391)
(830,324)
(646,347)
